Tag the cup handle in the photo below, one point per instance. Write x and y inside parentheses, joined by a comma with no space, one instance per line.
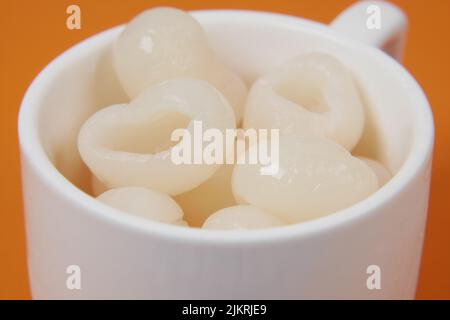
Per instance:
(376,23)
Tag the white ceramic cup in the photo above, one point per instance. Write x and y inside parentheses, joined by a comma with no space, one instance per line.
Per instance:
(123,256)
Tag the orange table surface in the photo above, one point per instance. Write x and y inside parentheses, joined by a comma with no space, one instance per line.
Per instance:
(34,32)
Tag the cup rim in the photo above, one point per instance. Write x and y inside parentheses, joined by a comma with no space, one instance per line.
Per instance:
(32,148)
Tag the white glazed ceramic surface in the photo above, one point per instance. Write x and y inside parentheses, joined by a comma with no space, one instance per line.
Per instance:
(123,256)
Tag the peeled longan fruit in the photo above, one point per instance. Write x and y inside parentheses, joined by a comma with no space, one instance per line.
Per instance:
(144,203)
(212,195)
(316,177)
(129,145)
(310,95)
(97,187)
(165,43)
(242,217)
(382,173)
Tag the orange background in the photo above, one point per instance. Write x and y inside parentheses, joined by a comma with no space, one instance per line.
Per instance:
(33,32)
